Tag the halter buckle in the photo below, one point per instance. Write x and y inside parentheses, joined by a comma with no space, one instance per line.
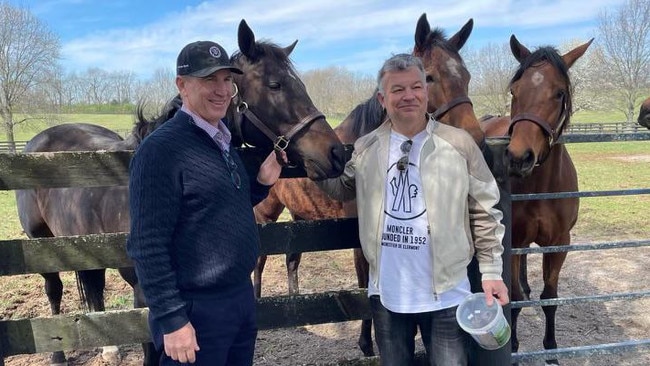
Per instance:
(280,144)
(242,107)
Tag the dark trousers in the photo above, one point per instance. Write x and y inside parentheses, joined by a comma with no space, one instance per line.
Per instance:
(445,343)
(226,329)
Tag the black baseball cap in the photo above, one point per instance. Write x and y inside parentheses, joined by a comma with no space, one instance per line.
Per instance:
(202,58)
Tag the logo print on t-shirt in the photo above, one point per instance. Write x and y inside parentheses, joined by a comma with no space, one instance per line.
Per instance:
(404,194)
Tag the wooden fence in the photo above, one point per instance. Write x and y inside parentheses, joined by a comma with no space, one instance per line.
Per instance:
(119,327)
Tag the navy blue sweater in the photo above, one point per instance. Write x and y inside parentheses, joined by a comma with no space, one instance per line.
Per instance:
(193,233)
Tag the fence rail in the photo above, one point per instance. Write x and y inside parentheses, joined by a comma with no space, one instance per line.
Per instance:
(575,132)
(605,127)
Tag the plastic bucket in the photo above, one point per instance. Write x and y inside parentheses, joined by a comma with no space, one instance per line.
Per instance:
(486,324)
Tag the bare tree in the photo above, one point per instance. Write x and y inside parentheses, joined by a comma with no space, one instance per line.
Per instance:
(591,90)
(492,67)
(123,83)
(624,36)
(97,85)
(337,90)
(157,91)
(29,53)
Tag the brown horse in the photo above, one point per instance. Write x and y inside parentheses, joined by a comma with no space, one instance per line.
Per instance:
(644,114)
(448,81)
(270,102)
(541,109)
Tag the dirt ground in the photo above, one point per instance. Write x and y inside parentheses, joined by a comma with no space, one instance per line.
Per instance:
(584,273)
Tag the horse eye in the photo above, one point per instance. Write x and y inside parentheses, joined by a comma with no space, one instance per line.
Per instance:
(274,85)
(560,94)
(429,79)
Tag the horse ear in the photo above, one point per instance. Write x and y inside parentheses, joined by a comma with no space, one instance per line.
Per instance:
(571,56)
(246,39)
(459,39)
(422,30)
(289,48)
(518,50)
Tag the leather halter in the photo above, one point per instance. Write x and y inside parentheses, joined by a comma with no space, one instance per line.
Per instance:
(280,143)
(443,109)
(553,134)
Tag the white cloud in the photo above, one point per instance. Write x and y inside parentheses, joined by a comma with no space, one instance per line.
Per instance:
(327,31)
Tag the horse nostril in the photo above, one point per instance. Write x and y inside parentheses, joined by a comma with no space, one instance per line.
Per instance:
(528,161)
(520,165)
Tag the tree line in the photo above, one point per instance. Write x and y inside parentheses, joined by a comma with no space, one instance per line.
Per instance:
(613,75)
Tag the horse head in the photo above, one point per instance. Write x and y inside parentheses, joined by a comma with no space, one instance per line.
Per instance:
(272,109)
(644,114)
(541,104)
(447,76)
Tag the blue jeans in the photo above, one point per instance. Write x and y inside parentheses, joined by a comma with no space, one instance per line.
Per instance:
(226,329)
(445,343)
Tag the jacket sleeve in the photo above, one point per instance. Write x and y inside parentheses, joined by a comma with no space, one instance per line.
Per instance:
(343,187)
(485,218)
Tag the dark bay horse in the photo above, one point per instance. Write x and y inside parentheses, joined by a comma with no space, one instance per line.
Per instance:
(644,114)
(541,109)
(271,108)
(448,81)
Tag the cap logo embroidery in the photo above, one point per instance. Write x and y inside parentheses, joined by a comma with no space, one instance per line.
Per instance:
(215,52)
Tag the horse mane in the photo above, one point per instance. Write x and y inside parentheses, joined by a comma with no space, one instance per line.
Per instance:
(552,56)
(367,116)
(144,126)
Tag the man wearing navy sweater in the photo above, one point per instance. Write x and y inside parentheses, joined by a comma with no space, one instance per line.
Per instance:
(193,239)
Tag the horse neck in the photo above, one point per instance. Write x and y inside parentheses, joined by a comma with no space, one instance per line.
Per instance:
(463,117)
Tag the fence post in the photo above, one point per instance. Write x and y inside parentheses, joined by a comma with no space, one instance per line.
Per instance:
(477,355)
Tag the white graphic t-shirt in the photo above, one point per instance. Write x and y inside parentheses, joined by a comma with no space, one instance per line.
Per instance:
(406,270)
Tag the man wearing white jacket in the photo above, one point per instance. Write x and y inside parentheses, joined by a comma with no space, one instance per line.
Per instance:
(426,204)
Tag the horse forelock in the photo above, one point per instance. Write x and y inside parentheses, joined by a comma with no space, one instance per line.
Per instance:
(435,38)
(267,50)
(550,55)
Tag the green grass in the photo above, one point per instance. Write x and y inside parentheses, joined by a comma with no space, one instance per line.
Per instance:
(116,122)
(597,116)
(612,166)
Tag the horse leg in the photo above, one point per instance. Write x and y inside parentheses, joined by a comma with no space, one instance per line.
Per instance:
(365,338)
(151,356)
(551,266)
(292,262)
(268,210)
(91,291)
(516,295)
(523,276)
(54,292)
(257,275)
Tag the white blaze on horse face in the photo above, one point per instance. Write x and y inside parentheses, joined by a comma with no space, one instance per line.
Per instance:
(453,67)
(537,78)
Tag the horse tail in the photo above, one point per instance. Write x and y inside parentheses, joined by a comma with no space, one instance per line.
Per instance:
(83,303)
(90,286)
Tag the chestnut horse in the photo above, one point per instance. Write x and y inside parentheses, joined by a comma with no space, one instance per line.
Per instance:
(448,81)
(271,101)
(644,114)
(541,109)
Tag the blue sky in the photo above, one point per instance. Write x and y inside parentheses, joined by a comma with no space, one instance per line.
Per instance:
(145,35)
